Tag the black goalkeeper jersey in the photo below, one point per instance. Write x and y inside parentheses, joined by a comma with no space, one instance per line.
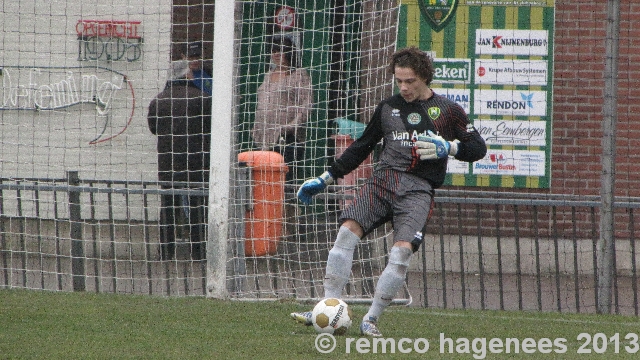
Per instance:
(398,123)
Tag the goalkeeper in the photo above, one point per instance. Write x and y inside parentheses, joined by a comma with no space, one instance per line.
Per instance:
(419,131)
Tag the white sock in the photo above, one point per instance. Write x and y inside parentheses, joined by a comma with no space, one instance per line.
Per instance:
(339,263)
(390,281)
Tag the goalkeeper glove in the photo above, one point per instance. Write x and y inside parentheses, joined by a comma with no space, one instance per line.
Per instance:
(312,187)
(434,146)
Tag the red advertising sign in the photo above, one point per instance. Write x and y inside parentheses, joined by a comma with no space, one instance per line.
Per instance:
(109,28)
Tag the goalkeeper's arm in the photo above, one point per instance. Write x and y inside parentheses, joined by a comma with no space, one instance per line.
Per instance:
(314,186)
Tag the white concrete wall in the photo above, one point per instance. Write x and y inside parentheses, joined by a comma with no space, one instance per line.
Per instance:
(41,67)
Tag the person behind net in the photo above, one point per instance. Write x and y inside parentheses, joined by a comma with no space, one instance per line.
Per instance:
(420,130)
(180,116)
(285,98)
(198,74)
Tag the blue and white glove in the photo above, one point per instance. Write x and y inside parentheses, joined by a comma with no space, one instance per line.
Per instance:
(312,187)
(434,146)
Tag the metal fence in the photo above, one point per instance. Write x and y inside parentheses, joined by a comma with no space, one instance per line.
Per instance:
(94,235)
(513,251)
(483,250)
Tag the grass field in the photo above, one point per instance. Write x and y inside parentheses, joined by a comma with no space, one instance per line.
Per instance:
(49,325)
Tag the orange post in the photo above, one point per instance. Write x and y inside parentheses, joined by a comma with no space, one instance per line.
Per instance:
(264,222)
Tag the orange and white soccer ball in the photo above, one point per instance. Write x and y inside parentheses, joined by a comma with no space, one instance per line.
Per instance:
(331,316)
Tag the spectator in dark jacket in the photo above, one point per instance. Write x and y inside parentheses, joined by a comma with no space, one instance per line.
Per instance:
(199,75)
(180,116)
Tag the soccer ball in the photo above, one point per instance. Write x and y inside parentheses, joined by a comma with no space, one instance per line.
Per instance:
(331,316)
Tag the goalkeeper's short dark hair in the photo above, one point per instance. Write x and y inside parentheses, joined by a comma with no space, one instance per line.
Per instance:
(413,58)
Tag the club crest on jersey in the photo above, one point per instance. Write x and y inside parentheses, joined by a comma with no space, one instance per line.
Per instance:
(414,118)
(434,112)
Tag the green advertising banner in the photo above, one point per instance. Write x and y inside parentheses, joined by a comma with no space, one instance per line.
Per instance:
(495,59)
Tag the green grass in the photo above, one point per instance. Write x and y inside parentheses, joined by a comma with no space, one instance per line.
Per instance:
(50,325)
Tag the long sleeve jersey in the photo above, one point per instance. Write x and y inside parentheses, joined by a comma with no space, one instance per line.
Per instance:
(398,123)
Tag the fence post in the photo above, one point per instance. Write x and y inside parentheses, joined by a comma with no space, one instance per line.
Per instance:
(606,247)
(75,232)
(3,241)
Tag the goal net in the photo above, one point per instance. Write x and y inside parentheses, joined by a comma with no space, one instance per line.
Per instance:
(280,250)
(92,196)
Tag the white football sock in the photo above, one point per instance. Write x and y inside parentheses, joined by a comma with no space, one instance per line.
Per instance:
(339,263)
(390,281)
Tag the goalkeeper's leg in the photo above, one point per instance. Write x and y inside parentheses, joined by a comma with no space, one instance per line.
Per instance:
(339,262)
(390,282)
(338,269)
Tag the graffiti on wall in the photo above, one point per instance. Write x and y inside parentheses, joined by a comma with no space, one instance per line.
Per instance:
(109,40)
(60,88)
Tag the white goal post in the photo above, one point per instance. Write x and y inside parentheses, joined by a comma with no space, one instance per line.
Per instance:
(222,118)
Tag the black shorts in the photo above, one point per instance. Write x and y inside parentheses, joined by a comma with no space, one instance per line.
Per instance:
(389,195)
